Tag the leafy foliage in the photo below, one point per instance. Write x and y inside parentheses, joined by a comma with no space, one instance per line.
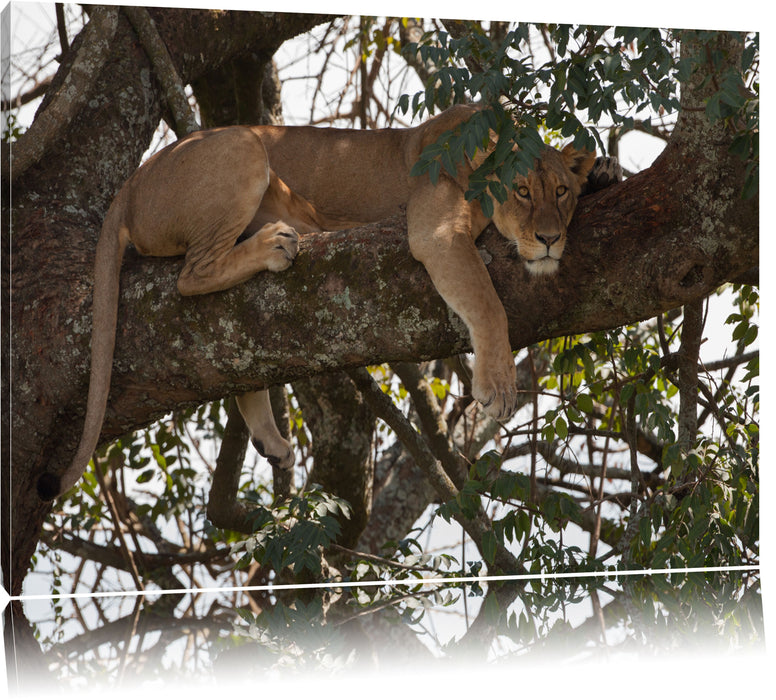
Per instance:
(596,75)
(293,533)
(12,130)
(408,561)
(591,475)
(593,458)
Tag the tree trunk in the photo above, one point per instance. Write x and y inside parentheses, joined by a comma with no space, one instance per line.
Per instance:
(665,237)
(55,216)
(342,427)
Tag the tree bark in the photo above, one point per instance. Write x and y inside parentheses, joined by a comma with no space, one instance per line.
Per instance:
(666,237)
(692,336)
(342,427)
(54,219)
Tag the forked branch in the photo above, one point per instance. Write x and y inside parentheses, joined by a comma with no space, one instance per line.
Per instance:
(73,93)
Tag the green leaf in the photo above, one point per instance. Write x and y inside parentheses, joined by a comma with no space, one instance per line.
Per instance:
(645,530)
(570,509)
(585,403)
(489,545)
(750,336)
(741,145)
(486,204)
(447,162)
(434,168)
(713,111)
(145,476)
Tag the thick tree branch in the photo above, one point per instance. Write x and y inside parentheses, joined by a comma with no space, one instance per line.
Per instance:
(223,509)
(630,256)
(341,426)
(383,407)
(664,238)
(401,495)
(56,213)
(635,250)
(73,94)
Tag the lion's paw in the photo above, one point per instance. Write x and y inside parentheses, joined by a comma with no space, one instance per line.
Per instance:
(605,172)
(280,456)
(496,391)
(281,243)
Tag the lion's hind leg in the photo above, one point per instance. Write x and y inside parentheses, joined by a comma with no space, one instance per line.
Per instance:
(256,410)
(278,243)
(213,268)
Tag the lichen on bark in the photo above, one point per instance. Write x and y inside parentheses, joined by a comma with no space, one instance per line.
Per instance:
(635,250)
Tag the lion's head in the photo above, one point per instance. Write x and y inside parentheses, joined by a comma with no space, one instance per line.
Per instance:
(538,210)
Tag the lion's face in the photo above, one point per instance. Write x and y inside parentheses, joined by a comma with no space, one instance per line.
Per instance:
(539,208)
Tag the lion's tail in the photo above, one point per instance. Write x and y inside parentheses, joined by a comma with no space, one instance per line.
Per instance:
(107,267)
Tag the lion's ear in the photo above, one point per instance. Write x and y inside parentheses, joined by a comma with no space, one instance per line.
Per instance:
(579,162)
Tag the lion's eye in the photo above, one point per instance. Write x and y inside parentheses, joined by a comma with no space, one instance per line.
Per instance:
(561,190)
(524,192)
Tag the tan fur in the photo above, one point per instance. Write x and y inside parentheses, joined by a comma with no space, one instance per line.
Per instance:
(197,196)
(364,175)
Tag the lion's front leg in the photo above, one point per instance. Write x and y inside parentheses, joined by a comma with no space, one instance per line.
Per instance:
(440,238)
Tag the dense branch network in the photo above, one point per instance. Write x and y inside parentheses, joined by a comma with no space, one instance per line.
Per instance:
(579,452)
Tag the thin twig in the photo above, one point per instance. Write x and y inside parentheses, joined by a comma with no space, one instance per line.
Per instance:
(431,419)
(129,559)
(534,425)
(59,11)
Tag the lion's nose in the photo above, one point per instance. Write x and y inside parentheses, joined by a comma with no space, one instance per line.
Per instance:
(547,239)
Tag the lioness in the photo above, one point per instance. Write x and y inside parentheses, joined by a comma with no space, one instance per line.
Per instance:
(199,195)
